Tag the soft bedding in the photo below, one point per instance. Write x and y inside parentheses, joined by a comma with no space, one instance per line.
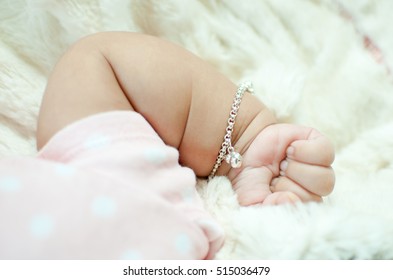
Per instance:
(324,63)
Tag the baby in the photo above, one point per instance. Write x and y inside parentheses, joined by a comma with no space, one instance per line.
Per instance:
(139,113)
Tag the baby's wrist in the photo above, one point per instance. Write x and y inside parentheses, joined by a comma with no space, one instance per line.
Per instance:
(248,125)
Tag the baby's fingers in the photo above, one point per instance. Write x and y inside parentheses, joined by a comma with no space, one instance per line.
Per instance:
(316,149)
(314,178)
(284,184)
(284,197)
(252,185)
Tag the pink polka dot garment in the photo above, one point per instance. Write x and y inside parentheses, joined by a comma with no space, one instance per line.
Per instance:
(105,187)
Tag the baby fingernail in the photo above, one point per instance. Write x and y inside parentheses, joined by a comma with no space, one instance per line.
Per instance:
(290,151)
(283,166)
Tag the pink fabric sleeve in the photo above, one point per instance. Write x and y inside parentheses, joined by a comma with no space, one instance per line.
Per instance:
(105,187)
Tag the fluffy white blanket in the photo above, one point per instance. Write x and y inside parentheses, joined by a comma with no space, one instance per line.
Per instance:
(321,63)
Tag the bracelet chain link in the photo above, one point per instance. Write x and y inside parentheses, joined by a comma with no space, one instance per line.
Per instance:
(227,152)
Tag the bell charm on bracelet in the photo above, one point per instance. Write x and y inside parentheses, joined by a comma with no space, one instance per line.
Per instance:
(234,159)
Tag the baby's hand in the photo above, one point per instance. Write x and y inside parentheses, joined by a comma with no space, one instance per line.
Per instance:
(285,163)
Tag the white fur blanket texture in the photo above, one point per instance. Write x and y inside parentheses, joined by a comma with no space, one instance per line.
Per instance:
(321,63)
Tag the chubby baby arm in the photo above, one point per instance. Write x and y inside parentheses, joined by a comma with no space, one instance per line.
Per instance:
(187,102)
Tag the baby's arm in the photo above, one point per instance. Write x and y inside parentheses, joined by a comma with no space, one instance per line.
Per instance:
(185,100)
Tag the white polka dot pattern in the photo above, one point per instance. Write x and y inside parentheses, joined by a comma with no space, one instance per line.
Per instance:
(97,141)
(131,255)
(155,156)
(42,226)
(65,170)
(103,207)
(183,243)
(10,184)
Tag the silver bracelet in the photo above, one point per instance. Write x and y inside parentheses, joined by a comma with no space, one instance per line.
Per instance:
(227,151)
